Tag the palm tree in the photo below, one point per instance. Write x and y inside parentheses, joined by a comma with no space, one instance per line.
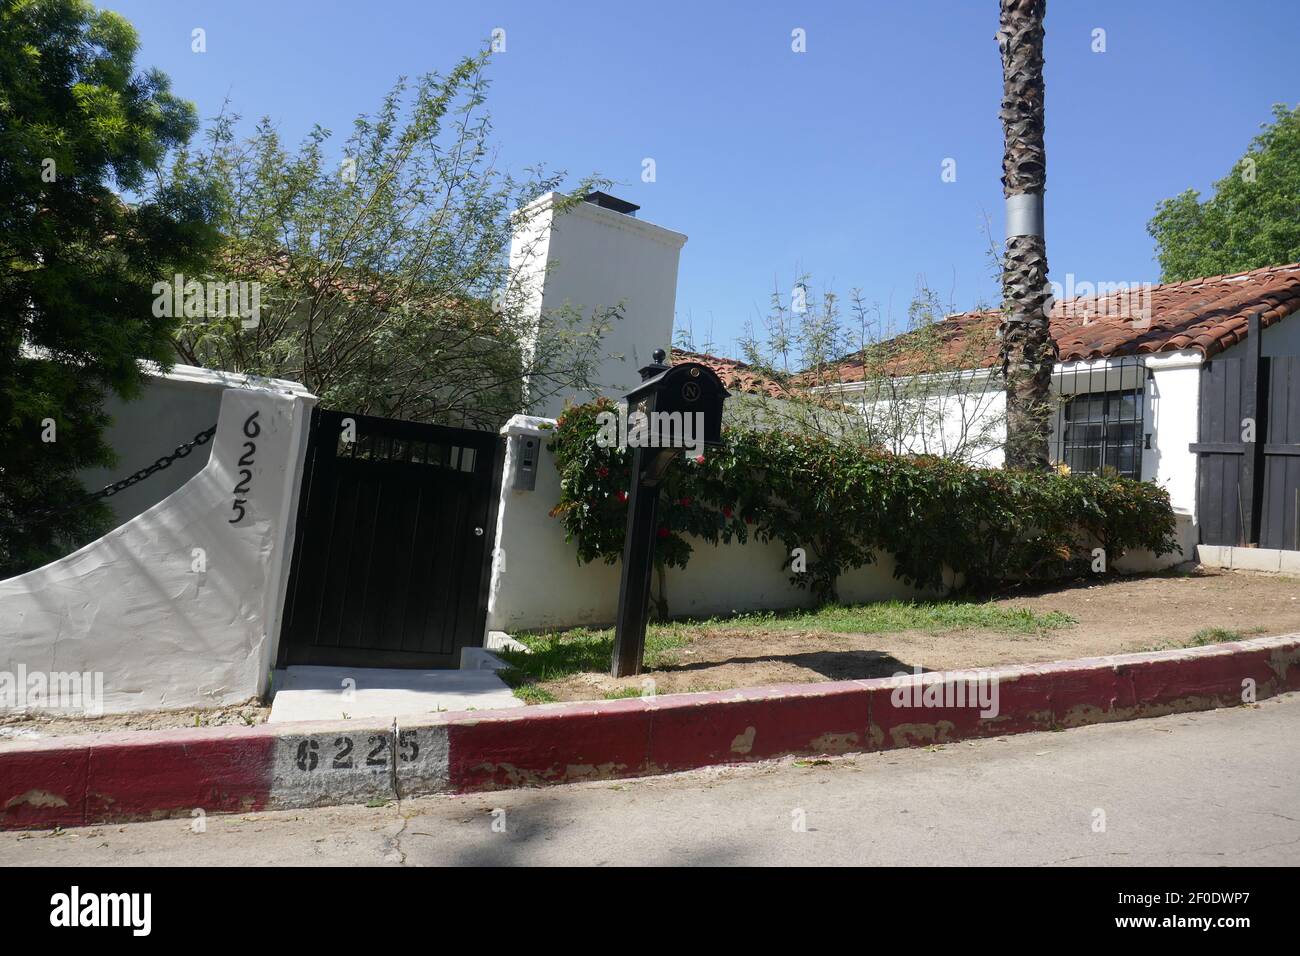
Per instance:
(1028,352)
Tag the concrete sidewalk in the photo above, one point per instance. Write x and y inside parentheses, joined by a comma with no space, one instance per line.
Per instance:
(338,693)
(1211,788)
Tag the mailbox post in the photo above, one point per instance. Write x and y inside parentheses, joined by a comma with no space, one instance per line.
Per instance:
(658,411)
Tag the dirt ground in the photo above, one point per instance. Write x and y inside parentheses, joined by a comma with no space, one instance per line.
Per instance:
(18,726)
(1115,617)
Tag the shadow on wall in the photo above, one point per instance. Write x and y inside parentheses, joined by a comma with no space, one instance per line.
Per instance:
(168,413)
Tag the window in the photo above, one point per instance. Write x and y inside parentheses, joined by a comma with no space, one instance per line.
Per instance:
(1101,433)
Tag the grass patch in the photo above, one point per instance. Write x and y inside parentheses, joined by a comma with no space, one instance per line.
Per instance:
(558,654)
(527,691)
(554,655)
(1221,635)
(890,617)
(1209,635)
(623,694)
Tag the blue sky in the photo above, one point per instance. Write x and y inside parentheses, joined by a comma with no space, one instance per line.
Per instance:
(776,163)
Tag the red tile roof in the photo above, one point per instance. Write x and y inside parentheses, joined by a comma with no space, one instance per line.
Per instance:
(736,376)
(1208,315)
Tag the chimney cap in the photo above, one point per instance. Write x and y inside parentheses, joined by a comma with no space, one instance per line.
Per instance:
(606,201)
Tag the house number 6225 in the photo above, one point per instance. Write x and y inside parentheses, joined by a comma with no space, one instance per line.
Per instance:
(251,430)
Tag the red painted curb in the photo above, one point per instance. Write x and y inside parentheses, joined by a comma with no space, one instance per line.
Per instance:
(560,743)
(43,787)
(98,778)
(218,773)
(103,778)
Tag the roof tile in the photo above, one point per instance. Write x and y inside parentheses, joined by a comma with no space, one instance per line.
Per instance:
(1208,314)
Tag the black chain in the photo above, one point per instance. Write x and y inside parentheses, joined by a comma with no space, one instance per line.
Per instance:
(166,461)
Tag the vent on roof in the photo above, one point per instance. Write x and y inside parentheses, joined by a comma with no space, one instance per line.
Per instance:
(606,201)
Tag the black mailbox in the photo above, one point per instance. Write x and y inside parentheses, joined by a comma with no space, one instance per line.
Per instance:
(676,409)
(688,389)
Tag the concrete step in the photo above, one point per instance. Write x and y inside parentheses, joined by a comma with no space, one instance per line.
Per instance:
(331,693)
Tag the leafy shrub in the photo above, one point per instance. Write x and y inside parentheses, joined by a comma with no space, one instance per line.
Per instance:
(845,503)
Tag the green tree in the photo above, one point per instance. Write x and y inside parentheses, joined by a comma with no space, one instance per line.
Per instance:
(81,133)
(384,266)
(1251,221)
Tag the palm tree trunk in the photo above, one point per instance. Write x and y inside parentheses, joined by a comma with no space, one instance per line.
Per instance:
(1028,352)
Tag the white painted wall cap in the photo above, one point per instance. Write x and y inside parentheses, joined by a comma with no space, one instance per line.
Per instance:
(607,217)
(207,376)
(1184,358)
(201,376)
(528,425)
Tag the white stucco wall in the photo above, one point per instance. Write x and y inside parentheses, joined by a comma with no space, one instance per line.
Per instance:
(170,410)
(537,581)
(166,414)
(593,258)
(954,416)
(1173,407)
(132,606)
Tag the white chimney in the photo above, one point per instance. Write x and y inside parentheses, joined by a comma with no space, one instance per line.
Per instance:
(594,257)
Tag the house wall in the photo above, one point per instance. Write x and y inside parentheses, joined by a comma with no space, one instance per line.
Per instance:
(1170,407)
(1172,413)
(593,258)
(537,581)
(965,418)
(178,607)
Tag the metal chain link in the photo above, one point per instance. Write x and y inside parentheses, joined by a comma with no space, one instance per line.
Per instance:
(166,461)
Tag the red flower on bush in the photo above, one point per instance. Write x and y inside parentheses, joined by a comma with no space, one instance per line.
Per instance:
(726,512)
(685,502)
(699,459)
(663,531)
(622,496)
(602,472)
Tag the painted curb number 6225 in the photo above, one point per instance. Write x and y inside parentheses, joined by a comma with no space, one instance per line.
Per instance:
(308,755)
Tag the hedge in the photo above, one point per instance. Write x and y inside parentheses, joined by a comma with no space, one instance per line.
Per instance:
(845,503)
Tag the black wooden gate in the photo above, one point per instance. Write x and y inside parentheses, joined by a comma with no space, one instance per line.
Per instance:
(393,544)
(1248,492)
